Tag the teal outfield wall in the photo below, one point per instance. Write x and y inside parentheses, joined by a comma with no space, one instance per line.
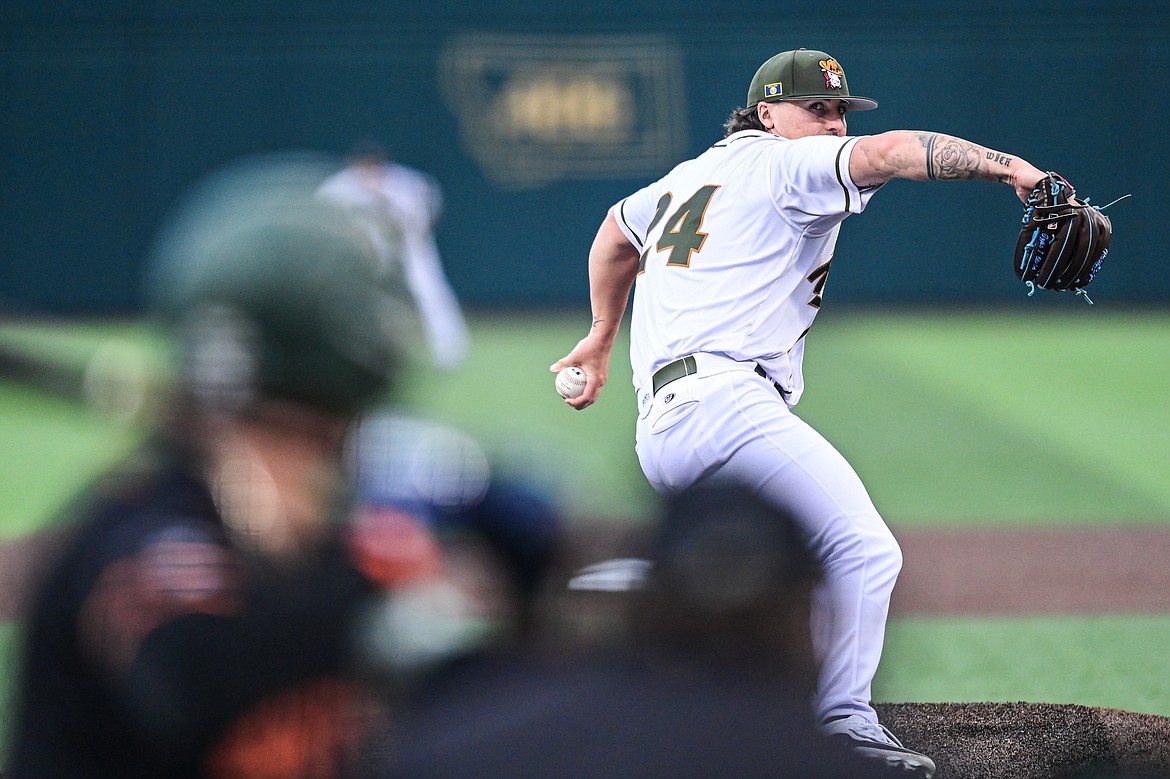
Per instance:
(535,117)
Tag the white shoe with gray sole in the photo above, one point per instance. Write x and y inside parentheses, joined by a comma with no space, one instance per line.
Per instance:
(874,741)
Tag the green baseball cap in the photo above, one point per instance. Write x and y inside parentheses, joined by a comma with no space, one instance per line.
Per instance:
(803,74)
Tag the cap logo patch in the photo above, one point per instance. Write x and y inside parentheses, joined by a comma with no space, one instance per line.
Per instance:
(773,90)
(834,76)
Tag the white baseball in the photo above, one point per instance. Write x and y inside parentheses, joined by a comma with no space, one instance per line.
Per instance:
(570,382)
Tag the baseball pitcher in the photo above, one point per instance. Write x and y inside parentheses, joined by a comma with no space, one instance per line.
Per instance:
(730,253)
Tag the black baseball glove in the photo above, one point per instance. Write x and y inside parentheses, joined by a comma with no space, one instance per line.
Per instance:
(1062,241)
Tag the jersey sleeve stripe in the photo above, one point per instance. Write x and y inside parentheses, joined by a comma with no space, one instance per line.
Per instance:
(639,240)
(841,177)
(853,202)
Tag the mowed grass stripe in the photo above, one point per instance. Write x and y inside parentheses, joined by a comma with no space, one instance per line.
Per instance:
(976,431)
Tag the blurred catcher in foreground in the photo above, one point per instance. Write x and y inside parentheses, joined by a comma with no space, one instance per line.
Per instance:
(708,669)
(202,618)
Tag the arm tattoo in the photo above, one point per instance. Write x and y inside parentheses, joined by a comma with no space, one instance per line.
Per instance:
(1002,159)
(949,158)
(929,141)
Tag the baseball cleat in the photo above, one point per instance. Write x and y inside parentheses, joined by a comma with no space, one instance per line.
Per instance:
(875,741)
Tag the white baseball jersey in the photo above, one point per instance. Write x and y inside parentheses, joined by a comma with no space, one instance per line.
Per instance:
(736,246)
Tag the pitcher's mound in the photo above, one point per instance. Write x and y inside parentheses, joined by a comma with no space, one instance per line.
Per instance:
(1032,740)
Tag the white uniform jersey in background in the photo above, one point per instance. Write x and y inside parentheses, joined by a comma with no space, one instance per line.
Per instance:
(736,246)
(399,206)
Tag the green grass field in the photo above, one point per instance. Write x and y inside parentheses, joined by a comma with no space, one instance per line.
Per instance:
(952,418)
(949,417)
(1112,661)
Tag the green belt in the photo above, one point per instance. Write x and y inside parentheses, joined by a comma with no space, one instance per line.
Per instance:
(674,370)
(685,366)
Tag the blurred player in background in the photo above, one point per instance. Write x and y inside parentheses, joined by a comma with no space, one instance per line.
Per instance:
(399,206)
(731,252)
(402,458)
(202,616)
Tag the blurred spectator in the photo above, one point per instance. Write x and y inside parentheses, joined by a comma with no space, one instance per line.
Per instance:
(715,676)
(399,207)
(202,616)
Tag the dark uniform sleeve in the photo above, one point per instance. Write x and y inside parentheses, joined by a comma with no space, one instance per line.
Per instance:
(201,669)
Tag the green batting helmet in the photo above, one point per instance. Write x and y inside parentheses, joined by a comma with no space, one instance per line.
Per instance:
(273,293)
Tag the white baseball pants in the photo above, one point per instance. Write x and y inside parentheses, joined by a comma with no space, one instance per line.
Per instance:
(728,420)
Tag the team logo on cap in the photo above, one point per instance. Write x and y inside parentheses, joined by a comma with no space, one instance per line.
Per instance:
(773,90)
(834,76)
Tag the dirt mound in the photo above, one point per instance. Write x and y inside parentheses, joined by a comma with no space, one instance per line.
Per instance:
(1057,570)
(1032,740)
